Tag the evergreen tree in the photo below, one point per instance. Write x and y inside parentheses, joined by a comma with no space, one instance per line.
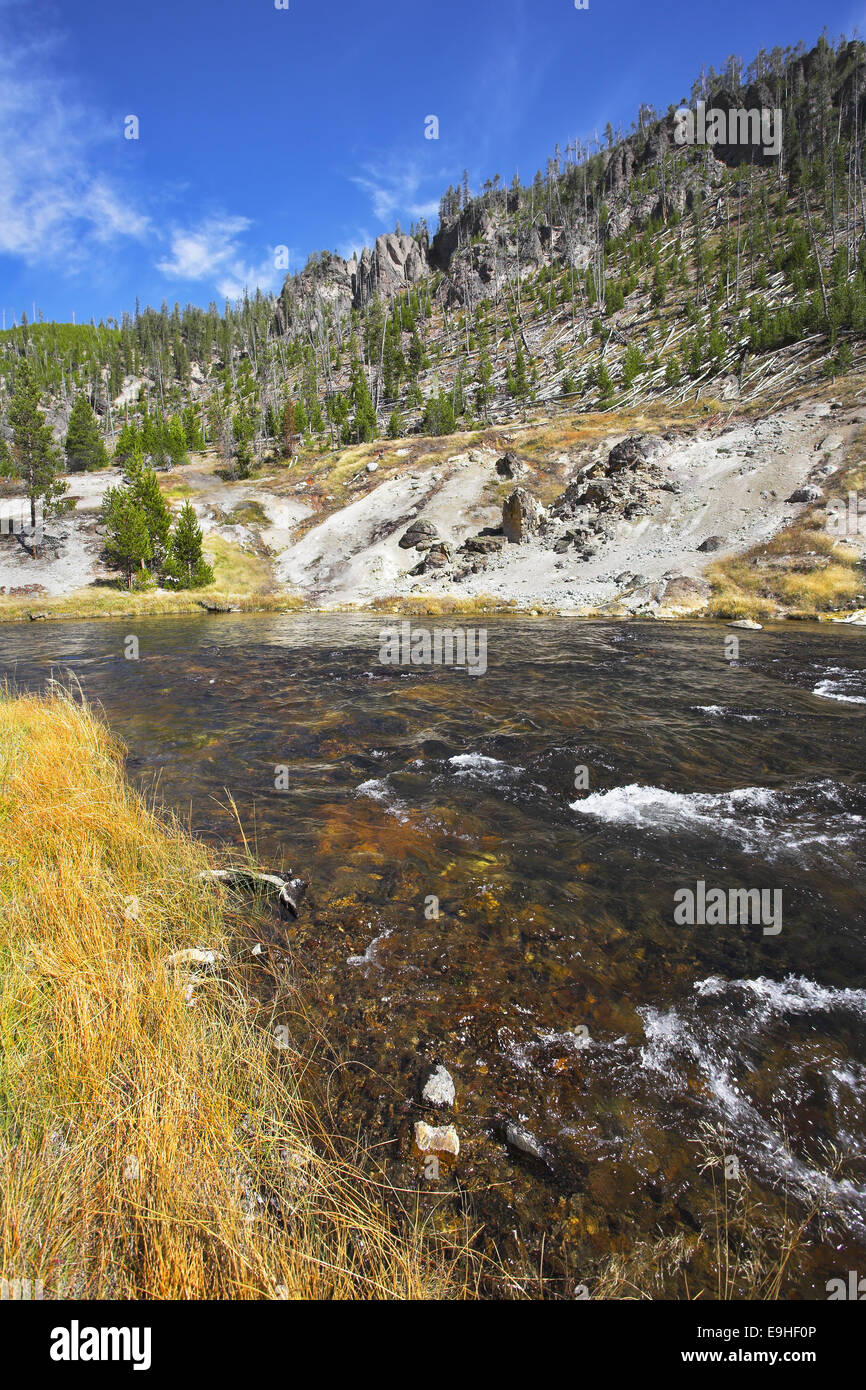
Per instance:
(35,460)
(633,364)
(604,383)
(143,487)
(85,449)
(439,415)
(187,563)
(128,443)
(365,424)
(127,542)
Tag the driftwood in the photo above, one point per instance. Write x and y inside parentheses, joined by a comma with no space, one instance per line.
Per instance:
(289,890)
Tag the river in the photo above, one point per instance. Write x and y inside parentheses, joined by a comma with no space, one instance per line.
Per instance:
(511,874)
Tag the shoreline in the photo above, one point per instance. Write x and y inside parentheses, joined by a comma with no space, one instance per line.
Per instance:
(166,1142)
(398,607)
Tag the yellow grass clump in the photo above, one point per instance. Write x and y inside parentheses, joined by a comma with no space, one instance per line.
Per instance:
(154,1143)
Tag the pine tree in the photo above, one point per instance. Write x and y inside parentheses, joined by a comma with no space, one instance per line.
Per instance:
(365,424)
(633,363)
(128,443)
(34,458)
(604,383)
(187,563)
(85,449)
(143,487)
(127,542)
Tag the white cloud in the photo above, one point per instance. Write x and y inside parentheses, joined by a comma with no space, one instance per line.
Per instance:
(68,193)
(212,251)
(393,189)
(52,203)
(198,252)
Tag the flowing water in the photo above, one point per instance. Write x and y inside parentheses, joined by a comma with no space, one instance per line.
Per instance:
(495,863)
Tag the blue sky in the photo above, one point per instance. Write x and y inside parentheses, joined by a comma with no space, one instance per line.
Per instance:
(304,127)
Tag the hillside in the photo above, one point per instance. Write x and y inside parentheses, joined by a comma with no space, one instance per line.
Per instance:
(637,285)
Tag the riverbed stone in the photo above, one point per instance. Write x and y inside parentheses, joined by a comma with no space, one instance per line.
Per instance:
(523,1140)
(436,1139)
(439,1088)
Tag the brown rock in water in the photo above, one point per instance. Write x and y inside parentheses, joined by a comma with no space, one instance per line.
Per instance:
(522,516)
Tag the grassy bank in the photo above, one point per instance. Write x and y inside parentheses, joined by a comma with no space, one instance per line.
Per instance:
(803,570)
(153,1141)
(145,603)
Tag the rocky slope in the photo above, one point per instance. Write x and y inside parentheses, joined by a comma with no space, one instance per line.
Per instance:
(561,514)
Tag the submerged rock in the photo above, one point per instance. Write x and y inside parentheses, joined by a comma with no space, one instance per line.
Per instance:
(436,1139)
(524,1141)
(439,1088)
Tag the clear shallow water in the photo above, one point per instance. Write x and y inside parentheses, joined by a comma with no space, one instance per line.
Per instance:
(555,982)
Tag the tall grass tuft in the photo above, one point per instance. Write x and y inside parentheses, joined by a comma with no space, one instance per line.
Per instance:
(153,1141)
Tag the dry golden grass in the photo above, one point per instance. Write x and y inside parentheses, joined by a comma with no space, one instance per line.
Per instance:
(434,605)
(153,1141)
(800,568)
(147,603)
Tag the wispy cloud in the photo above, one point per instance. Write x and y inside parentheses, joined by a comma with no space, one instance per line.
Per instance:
(212,251)
(66,199)
(393,187)
(53,205)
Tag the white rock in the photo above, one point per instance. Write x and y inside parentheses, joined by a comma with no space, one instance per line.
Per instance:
(436,1139)
(521,1139)
(192,956)
(439,1088)
(372,466)
(747,623)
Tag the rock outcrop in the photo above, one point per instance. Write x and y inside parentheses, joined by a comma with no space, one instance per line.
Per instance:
(522,516)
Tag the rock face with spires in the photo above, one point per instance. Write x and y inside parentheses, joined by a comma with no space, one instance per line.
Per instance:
(394,263)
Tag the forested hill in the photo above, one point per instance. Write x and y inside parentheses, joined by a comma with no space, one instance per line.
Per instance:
(631,266)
